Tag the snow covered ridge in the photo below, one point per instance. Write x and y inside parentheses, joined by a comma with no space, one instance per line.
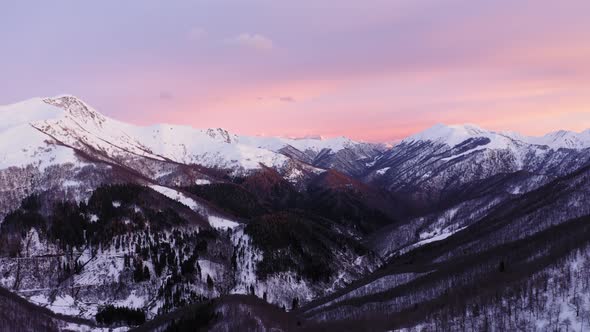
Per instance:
(81,126)
(43,131)
(454,135)
(71,122)
(215,221)
(303,144)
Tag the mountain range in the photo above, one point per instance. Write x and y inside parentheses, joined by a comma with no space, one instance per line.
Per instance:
(108,225)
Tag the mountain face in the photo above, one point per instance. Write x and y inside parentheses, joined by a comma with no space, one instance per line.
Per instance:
(106,224)
(435,166)
(97,212)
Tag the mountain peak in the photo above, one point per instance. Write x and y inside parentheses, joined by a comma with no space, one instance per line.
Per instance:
(564,139)
(455,134)
(27,112)
(64,96)
(449,134)
(221,134)
(315,137)
(70,103)
(47,108)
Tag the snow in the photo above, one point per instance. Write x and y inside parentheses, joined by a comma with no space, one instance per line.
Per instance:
(86,328)
(248,257)
(450,135)
(372,163)
(215,221)
(78,125)
(27,127)
(280,287)
(209,268)
(479,148)
(178,196)
(65,305)
(133,301)
(71,183)
(302,144)
(25,112)
(222,223)
(106,267)
(202,182)
(294,175)
(563,139)
(23,145)
(34,245)
(516,190)
(116,204)
(212,148)
(382,170)
(548,304)
(429,238)
(453,135)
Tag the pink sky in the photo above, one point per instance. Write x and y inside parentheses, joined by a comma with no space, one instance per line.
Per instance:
(375,71)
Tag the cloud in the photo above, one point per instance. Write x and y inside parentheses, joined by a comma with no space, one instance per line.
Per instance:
(196,33)
(255,41)
(165,95)
(287,99)
(284,99)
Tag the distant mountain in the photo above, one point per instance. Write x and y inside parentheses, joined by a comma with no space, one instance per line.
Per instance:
(433,167)
(455,134)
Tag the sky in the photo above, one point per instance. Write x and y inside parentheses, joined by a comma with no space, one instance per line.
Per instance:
(374,70)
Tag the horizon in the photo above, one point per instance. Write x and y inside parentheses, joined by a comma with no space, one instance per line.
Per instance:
(391,143)
(375,73)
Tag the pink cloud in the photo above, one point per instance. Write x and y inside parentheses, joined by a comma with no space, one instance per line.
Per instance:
(255,41)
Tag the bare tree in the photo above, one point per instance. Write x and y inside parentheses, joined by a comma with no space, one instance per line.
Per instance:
(567,323)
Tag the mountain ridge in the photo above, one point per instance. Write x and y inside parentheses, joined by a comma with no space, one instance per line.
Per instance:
(452,134)
(458,133)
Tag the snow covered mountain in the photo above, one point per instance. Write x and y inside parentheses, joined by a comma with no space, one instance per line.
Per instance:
(95,212)
(456,175)
(63,134)
(434,166)
(40,131)
(103,219)
(72,123)
(454,134)
(68,122)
